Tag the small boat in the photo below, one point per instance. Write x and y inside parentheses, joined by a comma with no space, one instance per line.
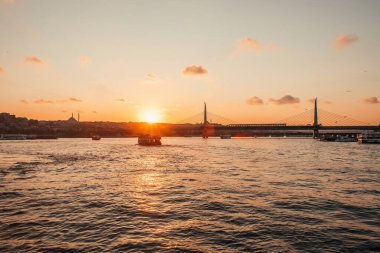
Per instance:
(346,139)
(328,138)
(13,137)
(225,136)
(95,137)
(149,140)
(369,138)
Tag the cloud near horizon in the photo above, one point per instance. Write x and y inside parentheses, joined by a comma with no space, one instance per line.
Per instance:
(76,100)
(372,100)
(2,70)
(252,45)
(47,101)
(254,101)
(34,60)
(285,100)
(194,70)
(345,40)
(43,101)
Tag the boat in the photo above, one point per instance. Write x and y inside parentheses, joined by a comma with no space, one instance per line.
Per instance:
(149,140)
(338,138)
(369,138)
(346,138)
(328,138)
(95,137)
(13,137)
(225,136)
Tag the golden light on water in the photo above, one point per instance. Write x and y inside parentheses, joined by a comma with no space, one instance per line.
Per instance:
(151,116)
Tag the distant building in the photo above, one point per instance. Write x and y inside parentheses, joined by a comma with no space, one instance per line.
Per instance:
(72,121)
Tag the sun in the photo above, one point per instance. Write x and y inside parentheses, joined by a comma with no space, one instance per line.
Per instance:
(150,116)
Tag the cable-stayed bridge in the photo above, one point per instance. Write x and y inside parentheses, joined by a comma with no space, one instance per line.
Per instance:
(314,122)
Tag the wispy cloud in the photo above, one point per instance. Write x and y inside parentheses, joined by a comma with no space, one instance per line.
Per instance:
(345,40)
(287,99)
(348,91)
(74,100)
(2,70)
(372,100)
(194,70)
(151,79)
(120,100)
(252,45)
(84,60)
(69,100)
(50,101)
(34,60)
(94,112)
(43,101)
(254,101)
(123,100)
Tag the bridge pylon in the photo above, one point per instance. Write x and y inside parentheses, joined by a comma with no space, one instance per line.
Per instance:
(205,123)
(315,124)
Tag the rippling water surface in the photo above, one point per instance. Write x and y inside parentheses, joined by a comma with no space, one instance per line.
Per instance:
(189,195)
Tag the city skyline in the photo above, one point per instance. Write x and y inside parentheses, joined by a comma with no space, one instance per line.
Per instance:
(253,62)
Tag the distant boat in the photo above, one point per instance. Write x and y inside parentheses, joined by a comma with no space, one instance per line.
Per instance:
(328,138)
(369,138)
(338,138)
(95,137)
(13,137)
(225,136)
(149,140)
(346,139)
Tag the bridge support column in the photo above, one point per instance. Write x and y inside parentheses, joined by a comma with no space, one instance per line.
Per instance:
(205,123)
(315,124)
(204,132)
(315,133)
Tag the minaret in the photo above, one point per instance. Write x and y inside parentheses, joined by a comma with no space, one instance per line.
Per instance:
(315,124)
(78,116)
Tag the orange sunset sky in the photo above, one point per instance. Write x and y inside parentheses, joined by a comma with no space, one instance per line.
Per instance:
(251,61)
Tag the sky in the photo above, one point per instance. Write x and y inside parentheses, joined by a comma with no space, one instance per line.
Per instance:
(251,61)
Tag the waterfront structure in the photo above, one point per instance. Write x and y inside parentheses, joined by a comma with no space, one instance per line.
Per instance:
(72,120)
(369,138)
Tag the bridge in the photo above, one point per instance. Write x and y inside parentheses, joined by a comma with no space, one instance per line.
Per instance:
(313,122)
